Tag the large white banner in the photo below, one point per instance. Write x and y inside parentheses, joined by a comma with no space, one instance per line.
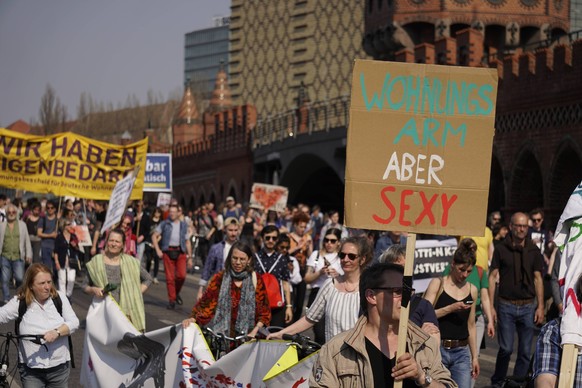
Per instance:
(117,355)
(568,238)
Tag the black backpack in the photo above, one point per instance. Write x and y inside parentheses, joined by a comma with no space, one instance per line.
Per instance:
(22,307)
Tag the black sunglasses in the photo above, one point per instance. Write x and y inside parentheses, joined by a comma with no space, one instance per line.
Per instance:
(351,256)
(330,240)
(394,290)
(270,238)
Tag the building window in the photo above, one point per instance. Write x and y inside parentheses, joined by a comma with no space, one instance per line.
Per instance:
(371,5)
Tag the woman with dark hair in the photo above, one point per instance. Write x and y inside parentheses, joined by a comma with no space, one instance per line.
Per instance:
(301,248)
(338,301)
(47,364)
(32,219)
(126,279)
(453,298)
(66,256)
(149,252)
(235,301)
(322,265)
(126,226)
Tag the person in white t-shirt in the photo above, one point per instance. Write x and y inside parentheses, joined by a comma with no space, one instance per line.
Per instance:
(322,265)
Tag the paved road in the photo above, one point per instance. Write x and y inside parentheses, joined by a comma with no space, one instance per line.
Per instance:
(157,316)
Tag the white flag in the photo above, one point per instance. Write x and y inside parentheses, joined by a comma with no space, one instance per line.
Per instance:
(569,239)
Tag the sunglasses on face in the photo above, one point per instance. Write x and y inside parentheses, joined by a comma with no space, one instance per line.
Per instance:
(329,240)
(270,238)
(284,247)
(351,256)
(536,220)
(396,291)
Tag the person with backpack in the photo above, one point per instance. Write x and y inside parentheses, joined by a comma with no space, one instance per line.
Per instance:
(39,309)
(235,301)
(272,266)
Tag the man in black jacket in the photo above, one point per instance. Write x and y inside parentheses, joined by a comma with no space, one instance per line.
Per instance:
(518,262)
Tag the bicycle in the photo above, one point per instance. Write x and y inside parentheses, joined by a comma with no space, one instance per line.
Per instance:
(221,344)
(10,338)
(305,346)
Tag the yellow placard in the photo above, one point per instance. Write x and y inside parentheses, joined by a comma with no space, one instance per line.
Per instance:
(68,164)
(419,147)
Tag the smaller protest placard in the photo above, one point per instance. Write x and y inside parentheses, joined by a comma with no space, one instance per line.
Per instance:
(164,199)
(158,174)
(118,200)
(82,233)
(269,197)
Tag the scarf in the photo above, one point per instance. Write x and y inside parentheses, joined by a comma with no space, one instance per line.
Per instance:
(130,296)
(246,307)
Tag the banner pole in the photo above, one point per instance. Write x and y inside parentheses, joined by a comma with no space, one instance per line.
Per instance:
(406,295)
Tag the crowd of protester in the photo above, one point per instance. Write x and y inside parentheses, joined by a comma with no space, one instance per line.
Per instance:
(258,268)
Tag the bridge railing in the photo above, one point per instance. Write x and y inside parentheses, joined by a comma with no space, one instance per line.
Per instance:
(309,118)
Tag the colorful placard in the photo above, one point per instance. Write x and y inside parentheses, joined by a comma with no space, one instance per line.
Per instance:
(419,147)
(68,164)
(158,174)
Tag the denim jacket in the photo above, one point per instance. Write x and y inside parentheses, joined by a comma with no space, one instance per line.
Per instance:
(166,228)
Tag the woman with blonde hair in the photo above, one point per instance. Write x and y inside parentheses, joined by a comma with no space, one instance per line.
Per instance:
(47,364)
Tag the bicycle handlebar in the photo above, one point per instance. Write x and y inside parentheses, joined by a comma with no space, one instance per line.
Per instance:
(302,341)
(224,336)
(35,338)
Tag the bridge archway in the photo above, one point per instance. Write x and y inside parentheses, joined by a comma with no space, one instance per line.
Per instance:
(312,181)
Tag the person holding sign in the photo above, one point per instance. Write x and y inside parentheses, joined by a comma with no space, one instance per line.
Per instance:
(365,356)
(453,298)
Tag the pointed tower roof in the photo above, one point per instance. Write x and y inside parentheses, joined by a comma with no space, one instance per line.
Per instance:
(221,98)
(188,112)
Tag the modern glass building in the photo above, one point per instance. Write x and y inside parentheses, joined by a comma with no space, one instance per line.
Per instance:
(204,51)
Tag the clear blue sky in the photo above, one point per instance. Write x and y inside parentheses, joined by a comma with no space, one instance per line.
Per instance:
(108,48)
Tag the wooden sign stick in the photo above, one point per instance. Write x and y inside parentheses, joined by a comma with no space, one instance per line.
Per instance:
(568,366)
(405,310)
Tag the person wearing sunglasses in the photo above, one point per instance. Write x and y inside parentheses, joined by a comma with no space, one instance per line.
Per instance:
(321,265)
(268,260)
(453,298)
(338,301)
(365,356)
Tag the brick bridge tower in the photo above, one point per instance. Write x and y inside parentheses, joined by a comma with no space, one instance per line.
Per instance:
(506,25)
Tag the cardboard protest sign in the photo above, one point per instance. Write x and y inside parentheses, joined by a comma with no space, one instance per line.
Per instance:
(68,164)
(119,198)
(164,199)
(158,173)
(269,197)
(419,147)
(82,233)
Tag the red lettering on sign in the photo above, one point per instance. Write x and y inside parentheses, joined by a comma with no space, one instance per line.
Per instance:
(427,208)
(404,207)
(386,221)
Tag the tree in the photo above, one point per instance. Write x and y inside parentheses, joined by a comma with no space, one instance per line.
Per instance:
(47,110)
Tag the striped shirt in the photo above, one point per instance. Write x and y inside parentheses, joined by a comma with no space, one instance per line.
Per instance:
(339,308)
(548,354)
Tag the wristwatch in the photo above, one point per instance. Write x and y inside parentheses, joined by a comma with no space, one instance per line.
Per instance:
(427,380)
(58,332)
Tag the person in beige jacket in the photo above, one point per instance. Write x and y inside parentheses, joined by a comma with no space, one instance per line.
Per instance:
(365,355)
(15,249)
